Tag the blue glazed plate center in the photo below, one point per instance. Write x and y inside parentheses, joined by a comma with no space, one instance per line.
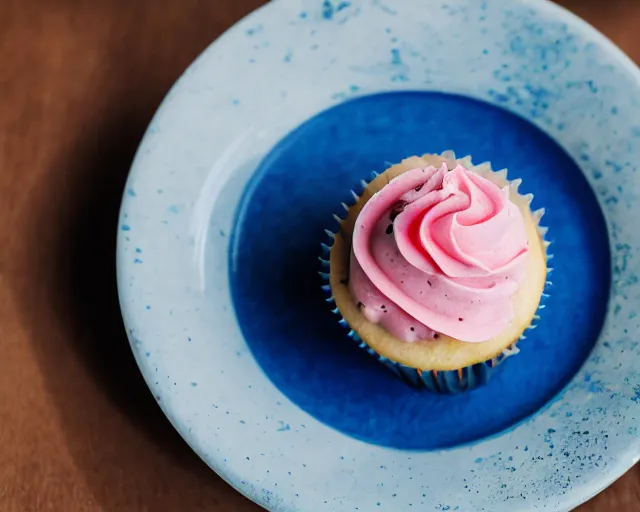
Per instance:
(287,324)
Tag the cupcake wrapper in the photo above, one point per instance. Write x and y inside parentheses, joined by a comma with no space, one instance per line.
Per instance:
(451,381)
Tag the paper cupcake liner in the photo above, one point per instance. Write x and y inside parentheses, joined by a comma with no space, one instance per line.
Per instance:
(449,381)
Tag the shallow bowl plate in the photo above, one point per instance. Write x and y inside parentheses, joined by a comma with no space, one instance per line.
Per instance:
(242,167)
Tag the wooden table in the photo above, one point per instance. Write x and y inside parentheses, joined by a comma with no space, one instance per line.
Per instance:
(79,81)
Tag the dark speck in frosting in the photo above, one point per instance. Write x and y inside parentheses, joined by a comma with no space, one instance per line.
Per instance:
(397,209)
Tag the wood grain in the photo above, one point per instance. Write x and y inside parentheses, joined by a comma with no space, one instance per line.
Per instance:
(79,81)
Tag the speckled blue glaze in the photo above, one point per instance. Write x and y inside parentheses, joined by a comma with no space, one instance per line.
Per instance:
(275,70)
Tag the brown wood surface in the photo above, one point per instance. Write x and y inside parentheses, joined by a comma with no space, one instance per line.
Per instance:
(79,81)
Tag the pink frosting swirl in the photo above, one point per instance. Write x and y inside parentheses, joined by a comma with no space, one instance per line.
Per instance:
(439,251)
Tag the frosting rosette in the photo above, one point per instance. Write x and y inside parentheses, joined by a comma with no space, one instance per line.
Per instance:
(439,250)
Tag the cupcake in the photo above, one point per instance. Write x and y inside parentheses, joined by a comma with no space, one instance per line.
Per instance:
(438,269)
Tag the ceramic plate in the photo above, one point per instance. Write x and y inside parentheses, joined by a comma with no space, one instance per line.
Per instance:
(237,177)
